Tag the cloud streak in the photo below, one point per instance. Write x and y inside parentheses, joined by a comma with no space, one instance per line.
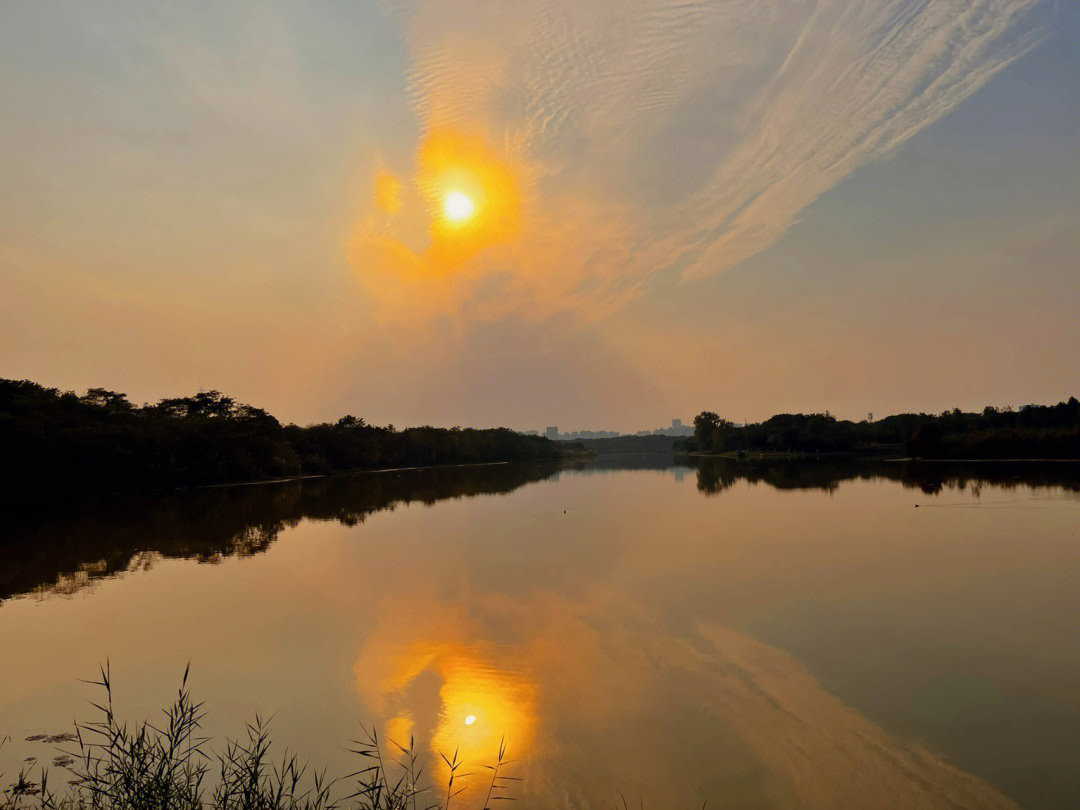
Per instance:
(688,136)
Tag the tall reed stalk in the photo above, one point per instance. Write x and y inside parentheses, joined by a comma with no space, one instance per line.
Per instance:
(168,767)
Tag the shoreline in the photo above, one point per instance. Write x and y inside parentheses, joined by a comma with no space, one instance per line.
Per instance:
(800,456)
(354,471)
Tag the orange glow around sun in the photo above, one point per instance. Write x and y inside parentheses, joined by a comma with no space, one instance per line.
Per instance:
(472,194)
(388,192)
(480,708)
(470,706)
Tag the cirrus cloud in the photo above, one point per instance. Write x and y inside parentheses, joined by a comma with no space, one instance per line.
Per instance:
(684,136)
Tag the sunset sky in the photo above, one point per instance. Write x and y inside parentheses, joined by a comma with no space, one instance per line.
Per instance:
(586,214)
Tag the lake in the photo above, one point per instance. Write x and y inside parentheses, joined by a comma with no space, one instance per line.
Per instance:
(769,634)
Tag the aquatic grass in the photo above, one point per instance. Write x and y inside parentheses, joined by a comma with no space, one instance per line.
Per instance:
(374,788)
(167,766)
(145,766)
(498,783)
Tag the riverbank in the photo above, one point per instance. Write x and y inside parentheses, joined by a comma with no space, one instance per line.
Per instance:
(871,456)
(100,442)
(1031,432)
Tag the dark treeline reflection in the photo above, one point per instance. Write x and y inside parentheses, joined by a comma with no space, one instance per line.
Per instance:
(931,477)
(64,545)
(58,550)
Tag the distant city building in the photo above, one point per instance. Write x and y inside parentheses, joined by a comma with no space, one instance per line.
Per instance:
(677,429)
(584,434)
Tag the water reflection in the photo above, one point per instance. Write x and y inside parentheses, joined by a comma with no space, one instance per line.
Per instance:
(454,700)
(62,548)
(45,552)
(586,703)
(930,477)
(774,646)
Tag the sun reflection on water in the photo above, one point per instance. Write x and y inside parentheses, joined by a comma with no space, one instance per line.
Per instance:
(480,708)
(451,699)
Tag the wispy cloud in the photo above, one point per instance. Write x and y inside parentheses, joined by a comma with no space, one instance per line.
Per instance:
(670,134)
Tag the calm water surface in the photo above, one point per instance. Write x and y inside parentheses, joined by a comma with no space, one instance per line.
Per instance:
(771,635)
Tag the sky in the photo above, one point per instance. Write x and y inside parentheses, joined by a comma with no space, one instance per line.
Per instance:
(579,213)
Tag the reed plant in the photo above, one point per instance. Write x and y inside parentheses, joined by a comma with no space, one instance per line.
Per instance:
(169,766)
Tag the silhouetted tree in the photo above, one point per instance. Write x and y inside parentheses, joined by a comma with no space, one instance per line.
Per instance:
(101,442)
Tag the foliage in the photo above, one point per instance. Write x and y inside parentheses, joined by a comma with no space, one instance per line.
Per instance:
(1033,431)
(147,767)
(101,442)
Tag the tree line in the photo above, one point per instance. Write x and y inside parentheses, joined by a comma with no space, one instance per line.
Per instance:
(1033,431)
(100,441)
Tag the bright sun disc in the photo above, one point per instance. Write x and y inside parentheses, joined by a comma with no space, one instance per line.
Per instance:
(458,206)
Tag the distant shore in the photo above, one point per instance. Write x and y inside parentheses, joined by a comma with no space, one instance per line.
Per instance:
(1032,432)
(100,443)
(854,454)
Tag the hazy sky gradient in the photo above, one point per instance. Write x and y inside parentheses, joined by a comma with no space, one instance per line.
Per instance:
(748,206)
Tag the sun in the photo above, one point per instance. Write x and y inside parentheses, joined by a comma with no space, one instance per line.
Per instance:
(458,206)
